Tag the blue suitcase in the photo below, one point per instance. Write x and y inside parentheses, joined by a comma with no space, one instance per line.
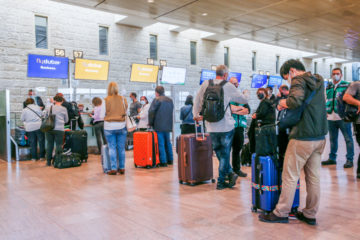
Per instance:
(265,185)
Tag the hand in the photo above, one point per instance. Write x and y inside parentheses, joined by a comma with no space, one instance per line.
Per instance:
(279,94)
(254,116)
(138,117)
(280,108)
(197,119)
(282,103)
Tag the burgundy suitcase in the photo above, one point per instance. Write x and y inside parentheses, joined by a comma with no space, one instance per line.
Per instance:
(195,153)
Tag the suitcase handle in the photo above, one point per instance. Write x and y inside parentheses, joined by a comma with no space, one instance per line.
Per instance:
(185,159)
(260,182)
(201,124)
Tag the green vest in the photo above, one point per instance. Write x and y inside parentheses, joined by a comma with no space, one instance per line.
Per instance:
(240,120)
(332,93)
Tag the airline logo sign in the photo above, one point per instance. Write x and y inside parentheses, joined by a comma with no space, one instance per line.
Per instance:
(40,66)
(86,69)
(144,73)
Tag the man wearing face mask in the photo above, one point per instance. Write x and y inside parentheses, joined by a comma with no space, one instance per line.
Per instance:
(38,101)
(307,143)
(336,123)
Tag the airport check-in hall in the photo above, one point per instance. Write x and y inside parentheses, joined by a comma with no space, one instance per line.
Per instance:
(179,119)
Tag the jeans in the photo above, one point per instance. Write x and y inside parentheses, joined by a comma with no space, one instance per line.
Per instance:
(357,134)
(51,137)
(100,135)
(237,144)
(165,147)
(345,128)
(221,143)
(36,137)
(116,141)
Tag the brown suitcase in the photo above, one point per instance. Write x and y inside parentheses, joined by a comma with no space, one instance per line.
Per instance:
(195,163)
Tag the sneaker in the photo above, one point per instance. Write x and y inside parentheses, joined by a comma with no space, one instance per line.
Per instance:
(222,185)
(112,172)
(241,173)
(328,162)
(301,217)
(121,171)
(232,179)
(272,218)
(348,164)
(34,160)
(42,159)
(163,165)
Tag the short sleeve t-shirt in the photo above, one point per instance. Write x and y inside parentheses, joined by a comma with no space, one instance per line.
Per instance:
(354,90)
(134,108)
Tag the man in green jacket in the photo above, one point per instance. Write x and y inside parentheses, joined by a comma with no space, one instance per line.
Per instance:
(307,143)
(336,123)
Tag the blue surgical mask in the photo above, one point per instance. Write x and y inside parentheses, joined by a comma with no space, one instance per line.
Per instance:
(142,102)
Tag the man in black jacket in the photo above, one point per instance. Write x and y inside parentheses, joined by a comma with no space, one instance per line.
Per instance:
(38,101)
(161,119)
(307,143)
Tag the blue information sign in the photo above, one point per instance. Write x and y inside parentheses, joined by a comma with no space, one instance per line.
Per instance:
(258,80)
(41,66)
(207,75)
(275,81)
(236,75)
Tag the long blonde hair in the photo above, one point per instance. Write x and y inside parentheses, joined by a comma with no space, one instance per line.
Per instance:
(113,89)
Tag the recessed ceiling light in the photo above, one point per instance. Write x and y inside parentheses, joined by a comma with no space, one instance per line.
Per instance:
(306,39)
(204,14)
(150,1)
(328,45)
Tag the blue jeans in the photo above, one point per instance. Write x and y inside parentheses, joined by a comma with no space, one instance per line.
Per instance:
(345,128)
(221,143)
(116,141)
(165,147)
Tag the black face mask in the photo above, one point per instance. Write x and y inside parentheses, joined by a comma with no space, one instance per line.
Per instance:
(261,96)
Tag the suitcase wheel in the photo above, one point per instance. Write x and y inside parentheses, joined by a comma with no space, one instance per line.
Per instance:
(181,182)
(213,180)
(192,184)
(148,167)
(135,165)
(254,209)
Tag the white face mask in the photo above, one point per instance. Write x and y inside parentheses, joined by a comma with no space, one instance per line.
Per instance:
(142,102)
(336,78)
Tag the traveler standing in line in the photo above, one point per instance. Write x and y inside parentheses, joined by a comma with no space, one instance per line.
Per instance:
(31,116)
(37,100)
(238,112)
(114,113)
(135,106)
(161,119)
(219,124)
(336,123)
(72,111)
(98,123)
(307,143)
(270,94)
(144,114)
(57,134)
(283,135)
(352,97)
(186,116)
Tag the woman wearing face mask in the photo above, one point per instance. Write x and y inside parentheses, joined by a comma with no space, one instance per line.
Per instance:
(144,114)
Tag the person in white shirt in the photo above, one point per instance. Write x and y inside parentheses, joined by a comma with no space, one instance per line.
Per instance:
(143,116)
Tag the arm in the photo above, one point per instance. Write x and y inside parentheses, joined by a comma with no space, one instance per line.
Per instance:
(144,113)
(152,111)
(296,95)
(351,100)
(198,102)
(235,94)
(22,118)
(102,110)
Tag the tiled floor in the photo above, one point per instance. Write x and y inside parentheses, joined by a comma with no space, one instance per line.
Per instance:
(38,202)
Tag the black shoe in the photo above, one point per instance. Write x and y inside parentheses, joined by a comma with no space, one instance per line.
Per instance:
(222,185)
(170,163)
(232,179)
(348,164)
(358,175)
(163,165)
(272,218)
(328,162)
(301,217)
(241,173)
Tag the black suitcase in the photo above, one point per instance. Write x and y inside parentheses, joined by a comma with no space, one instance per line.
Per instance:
(76,142)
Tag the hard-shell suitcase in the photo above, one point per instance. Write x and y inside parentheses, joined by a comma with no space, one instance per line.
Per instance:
(266,184)
(195,163)
(146,149)
(76,142)
(105,158)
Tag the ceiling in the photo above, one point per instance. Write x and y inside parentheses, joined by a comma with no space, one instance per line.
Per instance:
(326,27)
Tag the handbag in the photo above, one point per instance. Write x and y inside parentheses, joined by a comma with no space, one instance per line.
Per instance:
(48,123)
(63,160)
(130,121)
(288,118)
(182,126)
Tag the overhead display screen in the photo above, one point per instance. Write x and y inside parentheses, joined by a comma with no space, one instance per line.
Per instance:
(207,75)
(236,75)
(144,73)
(275,81)
(171,75)
(40,66)
(258,81)
(86,69)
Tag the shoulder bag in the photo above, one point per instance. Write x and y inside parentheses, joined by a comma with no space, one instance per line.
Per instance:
(130,122)
(48,123)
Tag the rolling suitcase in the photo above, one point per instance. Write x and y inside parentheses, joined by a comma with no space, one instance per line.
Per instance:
(266,184)
(76,142)
(146,149)
(195,163)
(105,158)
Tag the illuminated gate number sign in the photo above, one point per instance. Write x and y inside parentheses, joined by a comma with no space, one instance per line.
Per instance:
(78,54)
(59,52)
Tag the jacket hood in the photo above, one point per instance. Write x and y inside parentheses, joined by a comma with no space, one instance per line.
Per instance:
(313,82)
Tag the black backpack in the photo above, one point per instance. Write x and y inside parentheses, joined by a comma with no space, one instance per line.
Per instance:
(347,112)
(213,109)
(74,110)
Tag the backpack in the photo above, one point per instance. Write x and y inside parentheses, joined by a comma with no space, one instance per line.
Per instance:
(347,112)
(75,110)
(213,109)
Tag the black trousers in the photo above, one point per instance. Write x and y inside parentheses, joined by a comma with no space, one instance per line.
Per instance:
(36,137)
(237,144)
(283,140)
(357,135)
(100,136)
(57,137)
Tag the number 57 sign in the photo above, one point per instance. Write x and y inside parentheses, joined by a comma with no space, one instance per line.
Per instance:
(78,54)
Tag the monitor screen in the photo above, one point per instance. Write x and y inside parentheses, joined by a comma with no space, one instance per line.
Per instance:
(275,81)
(258,81)
(236,75)
(40,66)
(207,75)
(87,69)
(171,75)
(144,73)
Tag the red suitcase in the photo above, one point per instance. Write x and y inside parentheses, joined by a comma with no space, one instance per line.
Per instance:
(146,149)
(195,162)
